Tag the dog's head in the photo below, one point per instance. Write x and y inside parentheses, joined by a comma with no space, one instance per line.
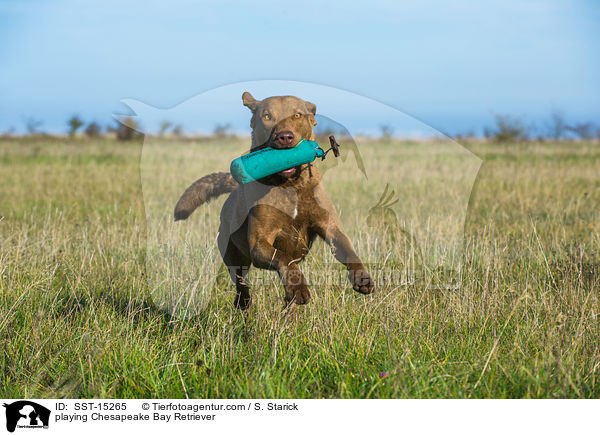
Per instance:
(280,122)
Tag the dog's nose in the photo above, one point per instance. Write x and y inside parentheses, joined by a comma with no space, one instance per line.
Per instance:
(284,138)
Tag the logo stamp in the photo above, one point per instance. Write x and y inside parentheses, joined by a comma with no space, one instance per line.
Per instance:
(25,414)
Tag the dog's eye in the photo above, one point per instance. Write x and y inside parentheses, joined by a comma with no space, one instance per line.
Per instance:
(266,116)
(298,115)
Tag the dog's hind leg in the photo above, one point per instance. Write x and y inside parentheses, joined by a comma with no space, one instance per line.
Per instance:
(238,265)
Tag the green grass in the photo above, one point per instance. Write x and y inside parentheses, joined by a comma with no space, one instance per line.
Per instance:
(79,265)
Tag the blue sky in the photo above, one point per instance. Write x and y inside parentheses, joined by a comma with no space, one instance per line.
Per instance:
(450,64)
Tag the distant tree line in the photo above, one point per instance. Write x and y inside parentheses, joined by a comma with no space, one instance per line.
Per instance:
(124,129)
(506,128)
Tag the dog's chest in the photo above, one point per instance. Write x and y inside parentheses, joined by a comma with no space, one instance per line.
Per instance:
(295,236)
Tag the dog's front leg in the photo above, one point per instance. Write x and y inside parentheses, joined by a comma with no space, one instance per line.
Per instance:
(344,252)
(265,256)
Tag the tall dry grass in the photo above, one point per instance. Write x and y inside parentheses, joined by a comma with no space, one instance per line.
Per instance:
(79,316)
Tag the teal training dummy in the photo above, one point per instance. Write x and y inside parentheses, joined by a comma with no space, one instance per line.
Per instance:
(268,161)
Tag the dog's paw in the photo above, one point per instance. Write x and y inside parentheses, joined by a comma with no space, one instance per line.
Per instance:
(242,300)
(296,288)
(297,294)
(361,281)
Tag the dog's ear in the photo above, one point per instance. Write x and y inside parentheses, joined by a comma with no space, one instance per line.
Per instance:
(249,101)
(312,109)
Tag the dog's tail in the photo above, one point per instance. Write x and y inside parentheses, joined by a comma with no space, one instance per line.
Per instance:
(203,190)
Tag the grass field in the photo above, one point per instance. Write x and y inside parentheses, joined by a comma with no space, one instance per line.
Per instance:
(77,316)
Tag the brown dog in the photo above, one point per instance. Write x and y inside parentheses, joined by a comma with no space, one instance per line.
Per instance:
(272,224)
